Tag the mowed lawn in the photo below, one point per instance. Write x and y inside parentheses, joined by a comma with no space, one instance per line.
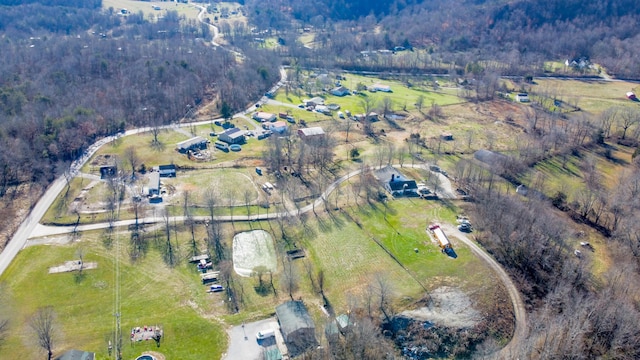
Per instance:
(351,259)
(151,294)
(187,10)
(590,96)
(401,97)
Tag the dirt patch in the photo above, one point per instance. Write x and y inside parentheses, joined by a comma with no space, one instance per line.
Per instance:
(252,249)
(73,265)
(451,307)
(50,240)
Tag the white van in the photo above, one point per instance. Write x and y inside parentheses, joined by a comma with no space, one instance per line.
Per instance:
(265,334)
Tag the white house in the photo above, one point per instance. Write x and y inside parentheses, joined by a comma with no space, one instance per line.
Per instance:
(340,91)
(264,116)
(278,126)
(522,97)
(380,87)
(313,101)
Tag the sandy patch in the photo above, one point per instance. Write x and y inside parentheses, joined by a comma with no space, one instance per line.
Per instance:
(252,249)
(451,307)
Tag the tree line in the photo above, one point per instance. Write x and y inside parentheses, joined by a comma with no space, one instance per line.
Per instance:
(518,36)
(60,90)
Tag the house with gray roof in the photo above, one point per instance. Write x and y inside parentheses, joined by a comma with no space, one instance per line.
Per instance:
(296,325)
(395,182)
(194,143)
(232,136)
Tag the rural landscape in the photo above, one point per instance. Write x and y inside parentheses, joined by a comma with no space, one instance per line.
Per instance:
(279,179)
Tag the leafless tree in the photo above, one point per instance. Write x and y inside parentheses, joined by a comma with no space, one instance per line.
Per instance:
(627,117)
(132,158)
(290,278)
(169,252)
(607,119)
(420,102)
(43,323)
(387,106)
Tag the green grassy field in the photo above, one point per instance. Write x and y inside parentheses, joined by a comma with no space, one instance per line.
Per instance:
(591,96)
(151,293)
(402,97)
(188,10)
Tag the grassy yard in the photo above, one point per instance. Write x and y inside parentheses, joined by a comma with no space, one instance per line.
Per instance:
(151,293)
(187,10)
(402,97)
(591,96)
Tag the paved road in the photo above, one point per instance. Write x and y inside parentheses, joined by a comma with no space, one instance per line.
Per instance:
(519,310)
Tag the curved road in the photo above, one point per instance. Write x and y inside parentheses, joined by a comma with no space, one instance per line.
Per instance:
(519,311)
(30,227)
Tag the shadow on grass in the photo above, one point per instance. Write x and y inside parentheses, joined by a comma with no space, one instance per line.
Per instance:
(78,276)
(158,146)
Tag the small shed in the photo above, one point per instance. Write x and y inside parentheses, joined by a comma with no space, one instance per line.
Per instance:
(447,136)
(631,95)
(312,132)
(167,170)
(522,97)
(297,327)
(108,172)
(232,136)
(195,143)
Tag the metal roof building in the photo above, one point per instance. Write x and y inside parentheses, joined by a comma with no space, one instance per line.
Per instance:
(296,326)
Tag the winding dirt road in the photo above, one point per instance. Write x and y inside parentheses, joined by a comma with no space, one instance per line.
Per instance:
(519,311)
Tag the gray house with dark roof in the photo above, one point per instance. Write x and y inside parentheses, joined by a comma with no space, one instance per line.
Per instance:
(297,327)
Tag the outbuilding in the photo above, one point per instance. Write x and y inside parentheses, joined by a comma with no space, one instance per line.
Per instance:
(194,143)
(167,170)
(296,325)
(312,132)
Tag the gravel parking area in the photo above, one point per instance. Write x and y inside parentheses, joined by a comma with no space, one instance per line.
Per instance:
(243,344)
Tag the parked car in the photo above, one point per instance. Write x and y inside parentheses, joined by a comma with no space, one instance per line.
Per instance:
(265,334)
(216,288)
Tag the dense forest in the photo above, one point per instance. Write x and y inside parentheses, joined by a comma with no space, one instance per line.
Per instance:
(521,35)
(70,75)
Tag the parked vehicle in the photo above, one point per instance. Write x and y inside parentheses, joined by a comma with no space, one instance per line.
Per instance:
(216,288)
(265,334)
(442,240)
(221,146)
